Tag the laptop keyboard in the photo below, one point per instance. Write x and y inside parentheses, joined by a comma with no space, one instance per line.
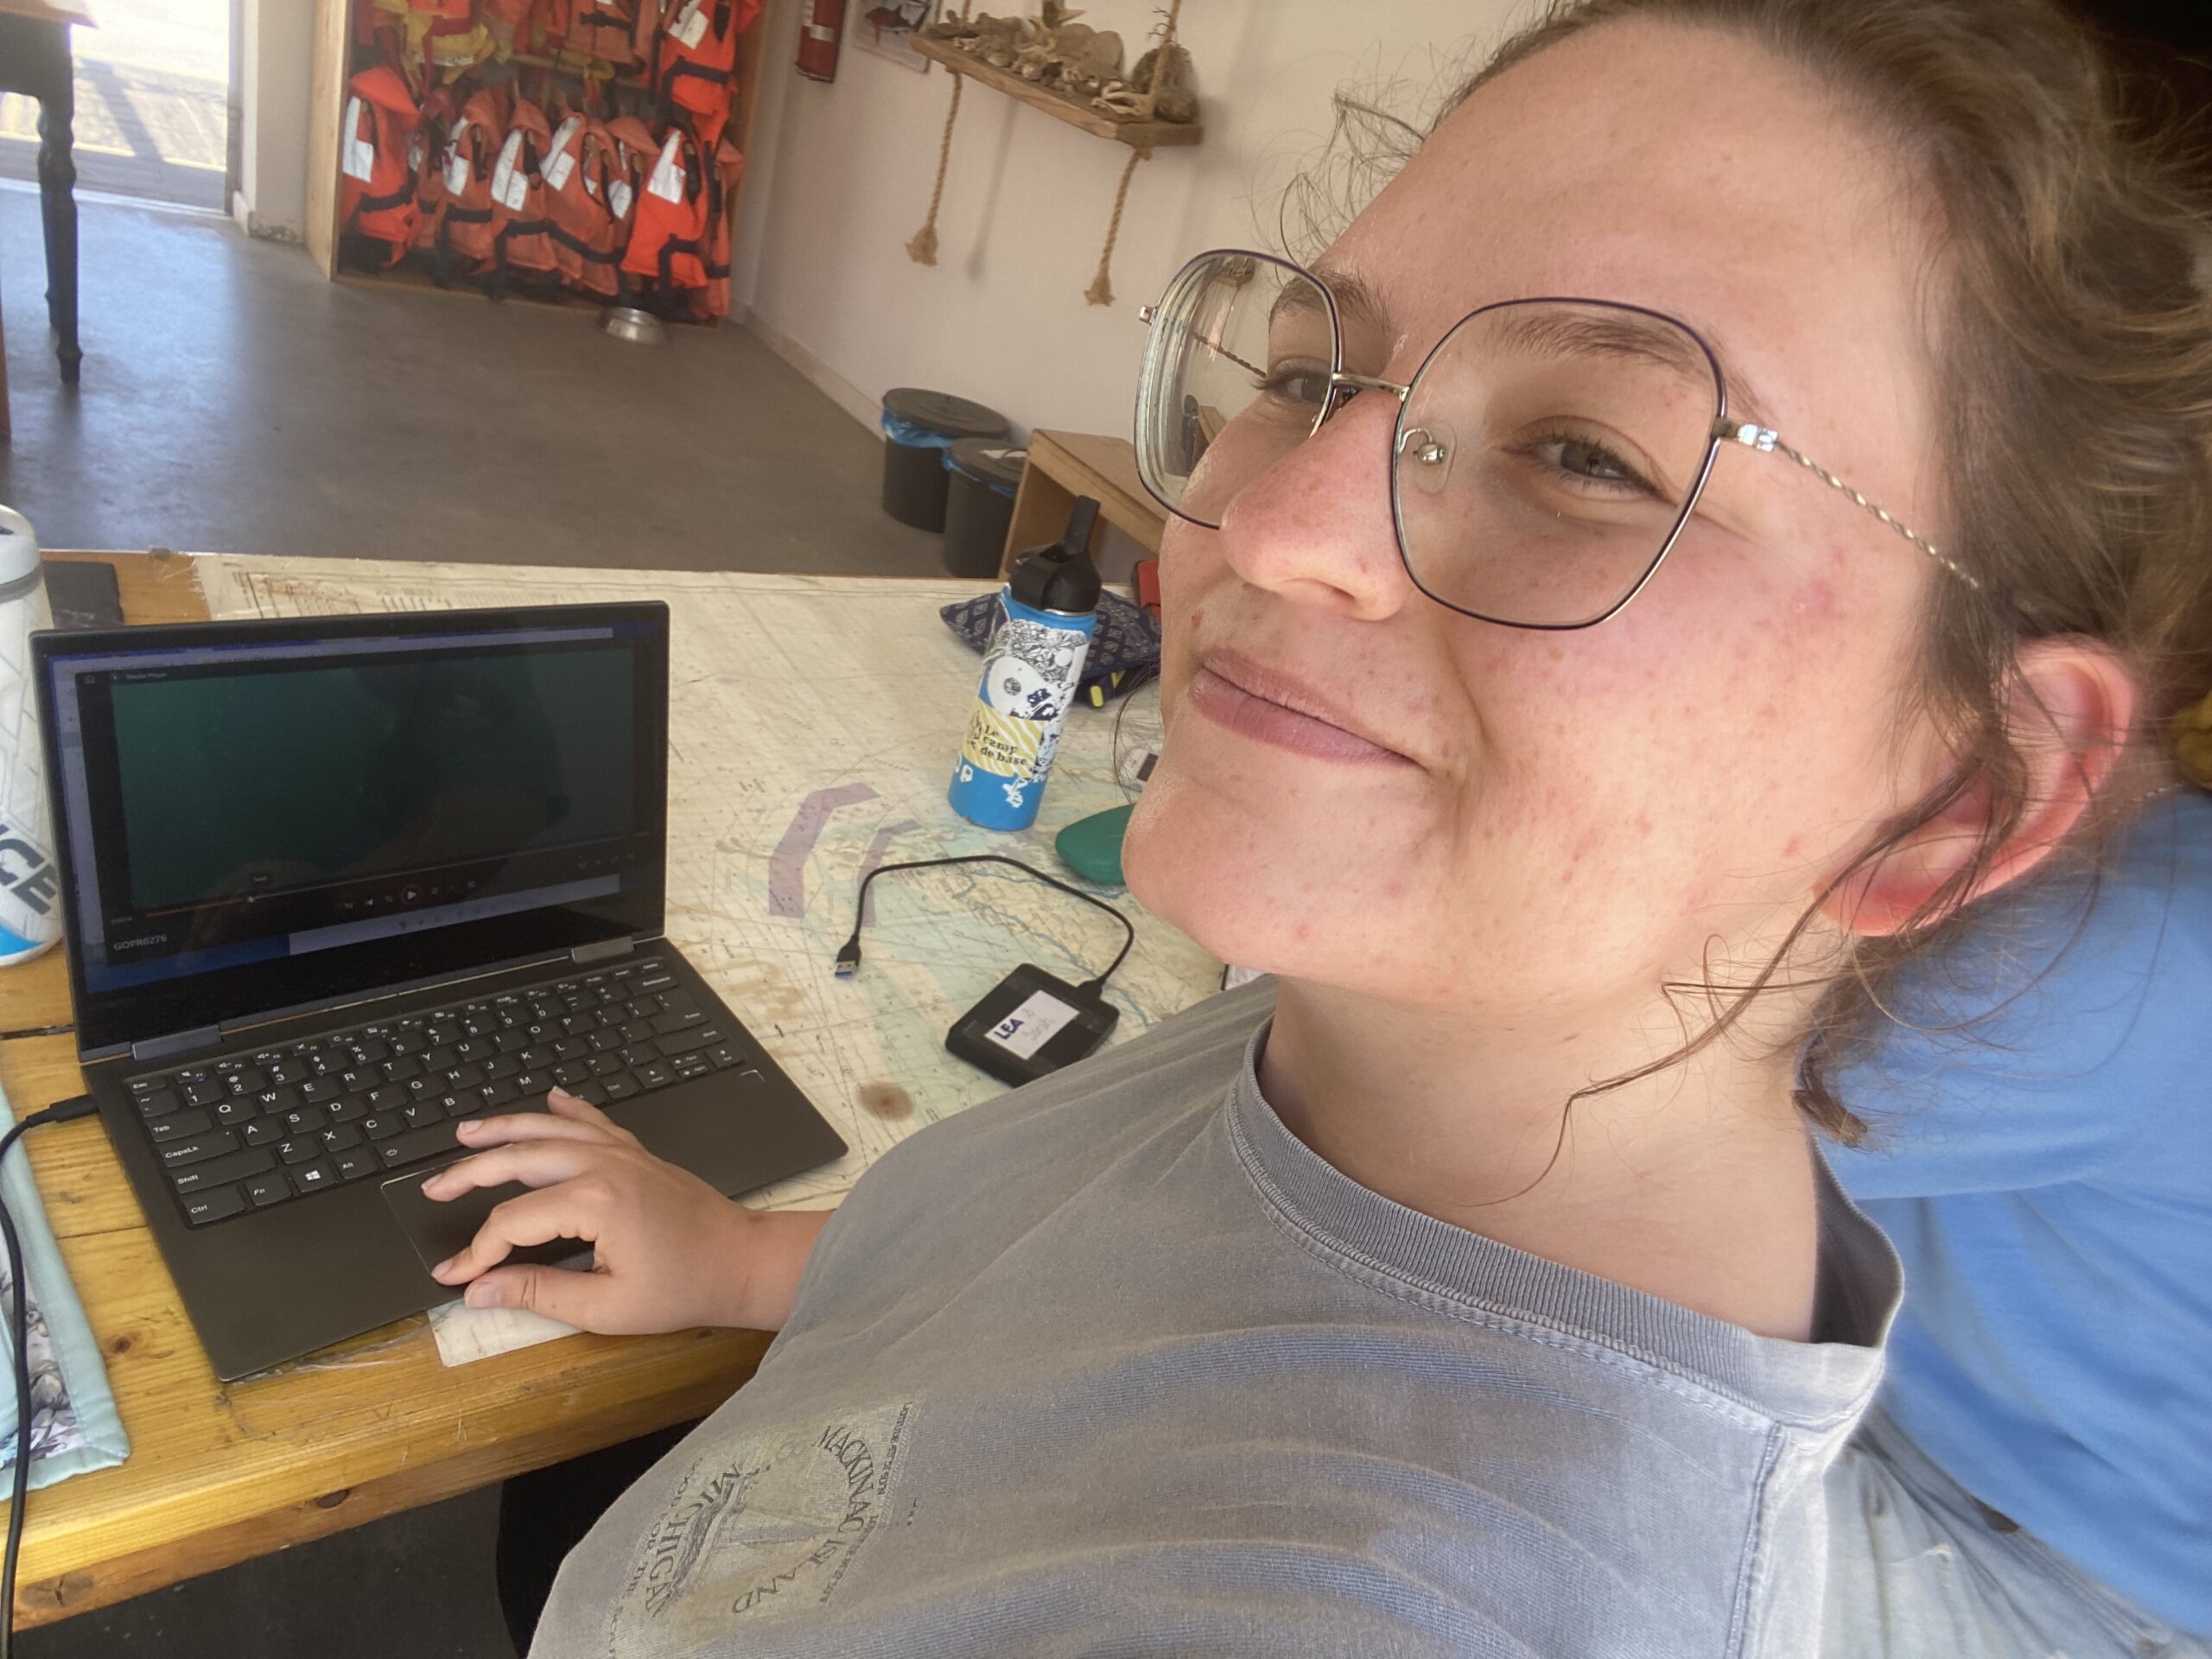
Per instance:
(289,1122)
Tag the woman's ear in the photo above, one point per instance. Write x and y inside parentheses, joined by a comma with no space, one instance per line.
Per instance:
(2069,713)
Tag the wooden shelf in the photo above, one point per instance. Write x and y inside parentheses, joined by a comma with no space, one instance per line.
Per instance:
(1138,135)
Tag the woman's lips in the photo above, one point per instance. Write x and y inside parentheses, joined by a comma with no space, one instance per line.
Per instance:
(1226,703)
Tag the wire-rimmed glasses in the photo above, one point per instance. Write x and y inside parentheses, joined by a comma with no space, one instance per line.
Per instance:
(1544,457)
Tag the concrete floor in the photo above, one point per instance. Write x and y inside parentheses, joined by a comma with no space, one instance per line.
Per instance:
(234,401)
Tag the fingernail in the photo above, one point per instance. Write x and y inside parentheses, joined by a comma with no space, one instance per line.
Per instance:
(481,1294)
(442,1269)
(467,1126)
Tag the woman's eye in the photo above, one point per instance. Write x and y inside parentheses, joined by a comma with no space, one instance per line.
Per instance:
(1590,460)
(1297,384)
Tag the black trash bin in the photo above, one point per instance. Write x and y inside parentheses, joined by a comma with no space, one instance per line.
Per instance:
(919,426)
(982,477)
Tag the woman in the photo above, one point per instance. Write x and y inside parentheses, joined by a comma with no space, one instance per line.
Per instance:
(1563,747)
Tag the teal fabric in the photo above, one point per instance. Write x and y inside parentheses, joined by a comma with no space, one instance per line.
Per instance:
(74,1427)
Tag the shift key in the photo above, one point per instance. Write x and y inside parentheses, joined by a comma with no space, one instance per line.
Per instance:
(214,1171)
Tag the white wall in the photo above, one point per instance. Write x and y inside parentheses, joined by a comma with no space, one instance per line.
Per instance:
(841,176)
(276,71)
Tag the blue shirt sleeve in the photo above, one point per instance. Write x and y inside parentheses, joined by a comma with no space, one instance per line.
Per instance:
(2084,1056)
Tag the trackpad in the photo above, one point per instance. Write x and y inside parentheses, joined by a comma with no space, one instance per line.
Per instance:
(440,1230)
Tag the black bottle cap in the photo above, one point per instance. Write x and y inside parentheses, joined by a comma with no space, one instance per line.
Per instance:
(1061,577)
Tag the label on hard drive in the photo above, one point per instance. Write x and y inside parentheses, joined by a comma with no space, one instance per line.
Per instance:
(1041,1018)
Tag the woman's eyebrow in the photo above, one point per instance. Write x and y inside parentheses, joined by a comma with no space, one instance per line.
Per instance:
(1353,294)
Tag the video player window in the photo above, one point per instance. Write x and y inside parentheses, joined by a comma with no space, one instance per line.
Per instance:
(246,806)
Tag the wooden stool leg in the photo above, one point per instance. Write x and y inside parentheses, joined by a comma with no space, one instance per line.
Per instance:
(57,184)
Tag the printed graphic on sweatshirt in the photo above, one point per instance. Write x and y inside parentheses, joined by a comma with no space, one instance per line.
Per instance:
(767,1526)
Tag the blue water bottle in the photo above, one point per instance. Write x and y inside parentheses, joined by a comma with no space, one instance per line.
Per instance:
(1030,670)
(30,913)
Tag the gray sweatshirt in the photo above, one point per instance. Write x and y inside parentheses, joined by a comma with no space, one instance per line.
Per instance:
(1116,1364)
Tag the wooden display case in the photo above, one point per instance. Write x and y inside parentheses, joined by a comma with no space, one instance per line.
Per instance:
(333,67)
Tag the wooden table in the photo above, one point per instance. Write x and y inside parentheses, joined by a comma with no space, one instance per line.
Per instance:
(220,1472)
(1064,464)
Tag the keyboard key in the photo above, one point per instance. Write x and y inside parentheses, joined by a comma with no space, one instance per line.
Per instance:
(279,1099)
(509,1042)
(262,1131)
(692,1065)
(685,1042)
(465,1077)
(384,1126)
(656,1074)
(154,1102)
(203,1094)
(178,1154)
(663,1024)
(421,1114)
(306,1120)
(606,1065)
(221,1171)
(313,1178)
(213,1203)
(637,1031)
(572,1074)
(475,1046)
(367,1050)
(641,1054)
(406,1043)
(249,1080)
(232,1112)
(357,1161)
(532,1082)
(359,1079)
(399,1070)
(539,1056)
(353,1108)
(300,1149)
(604,1039)
(591,1093)
(440,1058)
(265,1190)
(498,1094)
(387,1098)
(287,1071)
(338,1136)
(657,982)
(568,1048)
(181,1126)
(425,1087)
(621,1086)
(506,1066)
(321,1089)
(724,1056)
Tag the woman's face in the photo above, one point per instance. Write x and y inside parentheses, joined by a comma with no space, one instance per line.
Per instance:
(1536,824)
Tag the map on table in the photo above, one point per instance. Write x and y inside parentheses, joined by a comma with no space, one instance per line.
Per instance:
(812,726)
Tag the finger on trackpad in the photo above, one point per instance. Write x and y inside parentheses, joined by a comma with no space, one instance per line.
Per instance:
(440,1230)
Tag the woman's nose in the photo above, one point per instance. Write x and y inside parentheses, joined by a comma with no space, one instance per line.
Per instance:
(1316,527)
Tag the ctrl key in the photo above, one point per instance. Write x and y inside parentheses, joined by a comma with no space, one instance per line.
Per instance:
(213,1203)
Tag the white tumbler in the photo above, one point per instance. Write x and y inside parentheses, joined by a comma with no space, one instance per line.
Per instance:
(30,907)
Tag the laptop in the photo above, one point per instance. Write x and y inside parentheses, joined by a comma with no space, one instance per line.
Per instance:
(331,886)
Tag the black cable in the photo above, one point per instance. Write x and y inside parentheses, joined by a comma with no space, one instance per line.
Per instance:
(19,1329)
(849,957)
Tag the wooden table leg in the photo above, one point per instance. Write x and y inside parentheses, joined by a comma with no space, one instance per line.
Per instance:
(57,187)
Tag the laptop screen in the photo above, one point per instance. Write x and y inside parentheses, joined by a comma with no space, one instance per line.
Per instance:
(253,816)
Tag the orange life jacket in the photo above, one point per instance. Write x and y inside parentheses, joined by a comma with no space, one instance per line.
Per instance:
(460,225)
(579,161)
(636,152)
(680,244)
(698,53)
(604,29)
(520,225)
(376,184)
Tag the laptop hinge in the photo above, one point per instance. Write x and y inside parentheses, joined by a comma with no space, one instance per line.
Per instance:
(602,951)
(176,1043)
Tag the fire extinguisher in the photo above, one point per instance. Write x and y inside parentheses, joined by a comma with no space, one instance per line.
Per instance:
(819,32)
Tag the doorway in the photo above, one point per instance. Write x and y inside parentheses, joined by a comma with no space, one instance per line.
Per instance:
(154,105)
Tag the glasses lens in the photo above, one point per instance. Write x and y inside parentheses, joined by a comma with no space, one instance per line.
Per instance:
(1547,455)
(1235,375)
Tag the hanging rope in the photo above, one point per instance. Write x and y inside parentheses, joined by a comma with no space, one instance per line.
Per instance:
(1101,291)
(1165,50)
(921,247)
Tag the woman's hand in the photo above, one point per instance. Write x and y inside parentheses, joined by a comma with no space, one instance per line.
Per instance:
(669,1252)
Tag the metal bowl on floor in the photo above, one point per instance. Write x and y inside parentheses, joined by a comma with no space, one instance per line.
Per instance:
(639,328)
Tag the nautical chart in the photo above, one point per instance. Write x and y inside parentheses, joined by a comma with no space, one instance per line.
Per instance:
(812,726)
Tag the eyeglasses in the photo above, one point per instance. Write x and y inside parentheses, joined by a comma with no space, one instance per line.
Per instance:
(1544,456)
